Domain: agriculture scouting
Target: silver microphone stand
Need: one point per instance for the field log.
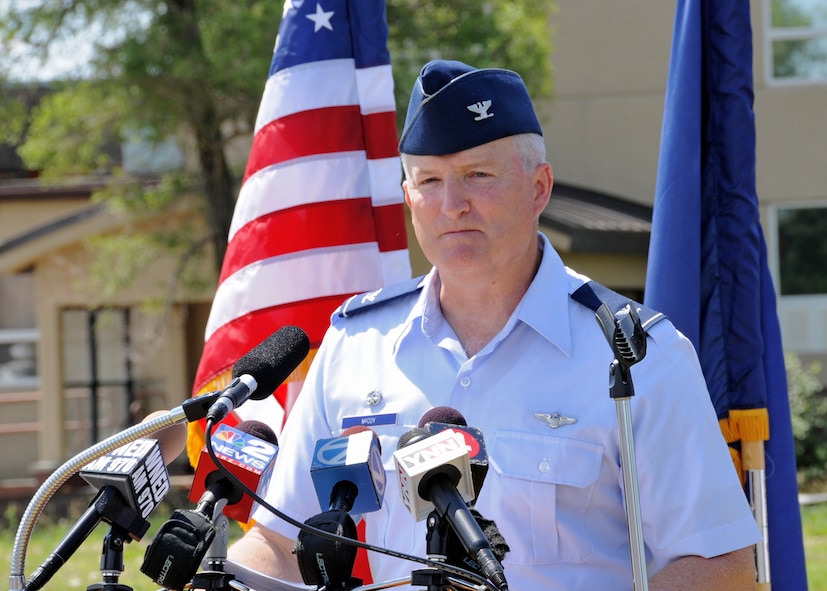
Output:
(627, 339)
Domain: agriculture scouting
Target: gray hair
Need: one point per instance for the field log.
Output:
(531, 147)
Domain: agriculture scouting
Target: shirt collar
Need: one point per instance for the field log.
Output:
(544, 307)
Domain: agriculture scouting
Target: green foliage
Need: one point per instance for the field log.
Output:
(196, 69)
(13, 117)
(483, 33)
(808, 411)
(73, 131)
(814, 526)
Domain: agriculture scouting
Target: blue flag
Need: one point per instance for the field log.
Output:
(707, 265)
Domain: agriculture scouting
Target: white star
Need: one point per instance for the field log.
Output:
(321, 18)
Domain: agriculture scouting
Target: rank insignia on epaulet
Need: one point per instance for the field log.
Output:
(364, 301)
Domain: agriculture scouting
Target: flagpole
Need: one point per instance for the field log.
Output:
(752, 460)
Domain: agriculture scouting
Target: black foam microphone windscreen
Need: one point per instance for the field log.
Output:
(274, 359)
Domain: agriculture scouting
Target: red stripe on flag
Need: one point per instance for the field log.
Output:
(318, 131)
(315, 225)
(233, 340)
(390, 227)
(380, 135)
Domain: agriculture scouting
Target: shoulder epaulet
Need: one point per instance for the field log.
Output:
(370, 299)
(592, 294)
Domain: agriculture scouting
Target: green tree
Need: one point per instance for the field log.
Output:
(808, 412)
(196, 69)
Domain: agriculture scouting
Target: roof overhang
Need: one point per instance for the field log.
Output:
(584, 221)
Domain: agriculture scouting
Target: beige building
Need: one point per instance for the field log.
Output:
(64, 344)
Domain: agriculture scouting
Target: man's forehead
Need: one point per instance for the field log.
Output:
(488, 153)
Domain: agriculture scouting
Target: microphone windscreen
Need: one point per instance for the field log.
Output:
(274, 359)
(172, 439)
(443, 414)
(411, 436)
(260, 430)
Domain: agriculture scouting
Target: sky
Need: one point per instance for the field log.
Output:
(66, 57)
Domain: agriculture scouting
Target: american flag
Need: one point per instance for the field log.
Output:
(319, 215)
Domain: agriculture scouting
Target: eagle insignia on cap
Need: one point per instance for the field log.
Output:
(481, 109)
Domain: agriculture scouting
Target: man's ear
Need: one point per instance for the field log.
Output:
(543, 182)
(405, 191)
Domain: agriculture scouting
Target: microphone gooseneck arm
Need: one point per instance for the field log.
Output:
(188, 411)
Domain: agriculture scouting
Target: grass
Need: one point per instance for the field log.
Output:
(83, 568)
(814, 523)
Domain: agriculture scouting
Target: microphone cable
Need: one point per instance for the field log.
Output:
(444, 567)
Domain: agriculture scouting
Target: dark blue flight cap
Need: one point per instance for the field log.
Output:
(454, 107)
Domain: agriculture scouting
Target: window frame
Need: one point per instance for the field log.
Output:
(773, 34)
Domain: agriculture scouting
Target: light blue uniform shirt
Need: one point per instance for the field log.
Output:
(555, 494)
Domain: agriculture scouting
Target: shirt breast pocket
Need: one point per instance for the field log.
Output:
(542, 488)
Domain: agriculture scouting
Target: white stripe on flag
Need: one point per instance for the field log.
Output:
(385, 181)
(305, 275)
(297, 89)
(375, 89)
(315, 179)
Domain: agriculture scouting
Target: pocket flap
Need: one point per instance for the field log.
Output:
(556, 460)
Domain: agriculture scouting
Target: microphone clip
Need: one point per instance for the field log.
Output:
(178, 548)
(325, 563)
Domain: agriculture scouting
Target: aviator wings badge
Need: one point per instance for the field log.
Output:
(554, 420)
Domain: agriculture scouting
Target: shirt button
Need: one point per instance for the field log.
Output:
(544, 466)
(465, 382)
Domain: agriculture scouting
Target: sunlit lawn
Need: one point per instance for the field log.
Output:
(83, 568)
(814, 522)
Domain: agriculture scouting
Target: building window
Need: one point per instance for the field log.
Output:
(98, 386)
(802, 250)
(18, 359)
(796, 40)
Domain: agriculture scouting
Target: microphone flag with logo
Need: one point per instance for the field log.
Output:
(352, 460)
(247, 456)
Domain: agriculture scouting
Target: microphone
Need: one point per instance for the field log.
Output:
(420, 457)
(248, 452)
(325, 562)
(435, 475)
(258, 373)
(441, 418)
(444, 417)
(348, 475)
(347, 471)
(131, 481)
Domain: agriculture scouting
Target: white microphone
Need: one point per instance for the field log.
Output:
(435, 475)
(421, 456)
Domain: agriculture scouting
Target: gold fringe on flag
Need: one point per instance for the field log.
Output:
(752, 424)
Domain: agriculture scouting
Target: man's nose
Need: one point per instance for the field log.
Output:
(455, 198)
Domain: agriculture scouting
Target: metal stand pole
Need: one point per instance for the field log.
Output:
(627, 339)
(630, 484)
(752, 458)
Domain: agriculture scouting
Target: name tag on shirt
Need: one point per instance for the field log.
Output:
(369, 420)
